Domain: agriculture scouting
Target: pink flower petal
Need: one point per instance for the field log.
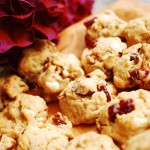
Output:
(48, 32)
(5, 41)
(14, 34)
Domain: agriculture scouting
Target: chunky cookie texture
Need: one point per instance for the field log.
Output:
(92, 141)
(106, 24)
(7, 143)
(34, 58)
(132, 68)
(83, 98)
(26, 120)
(140, 141)
(103, 56)
(35, 138)
(125, 116)
(23, 110)
(62, 69)
(14, 85)
(53, 133)
(138, 30)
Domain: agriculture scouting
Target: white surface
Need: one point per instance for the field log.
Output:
(100, 4)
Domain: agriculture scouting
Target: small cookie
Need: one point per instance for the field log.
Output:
(92, 141)
(36, 138)
(34, 58)
(56, 132)
(25, 109)
(62, 69)
(103, 55)
(14, 85)
(125, 116)
(132, 67)
(140, 141)
(138, 30)
(82, 99)
(7, 143)
(106, 24)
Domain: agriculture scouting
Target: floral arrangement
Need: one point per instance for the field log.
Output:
(21, 21)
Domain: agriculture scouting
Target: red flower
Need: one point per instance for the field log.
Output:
(21, 21)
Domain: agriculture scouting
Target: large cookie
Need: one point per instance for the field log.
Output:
(34, 58)
(62, 69)
(103, 55)
(132, 68)
(138, 30)
(125, 116)
(82, 99)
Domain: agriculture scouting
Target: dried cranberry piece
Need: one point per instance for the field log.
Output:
(135, 74)
(104, 89)
(1, 137)
(124, 107)
(69, 139)
(89, 41)
(87, 76)
(147, 72)
(113, 111)
(88, 23)
(57, 120)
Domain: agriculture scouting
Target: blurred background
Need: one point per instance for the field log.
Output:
(100, 4)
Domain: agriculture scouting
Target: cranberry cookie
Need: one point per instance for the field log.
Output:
(83, 98)
(133, 67)
(106, 24)
(103, 55)
(125, 116)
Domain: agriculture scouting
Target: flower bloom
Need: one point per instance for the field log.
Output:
(21, 21)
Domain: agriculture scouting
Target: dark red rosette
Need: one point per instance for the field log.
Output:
(21, 21)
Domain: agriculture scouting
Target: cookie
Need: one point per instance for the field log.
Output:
(92, 141)
(140, 141)
(34, 58)
(14, 85)
(138, 30)
(35, 138)
(103, 55)
(23, 110)
(132, 67)
(62, 69)
(7, 143)
(83, 98)
(106, 24)
(56, 131)
(125, 116)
